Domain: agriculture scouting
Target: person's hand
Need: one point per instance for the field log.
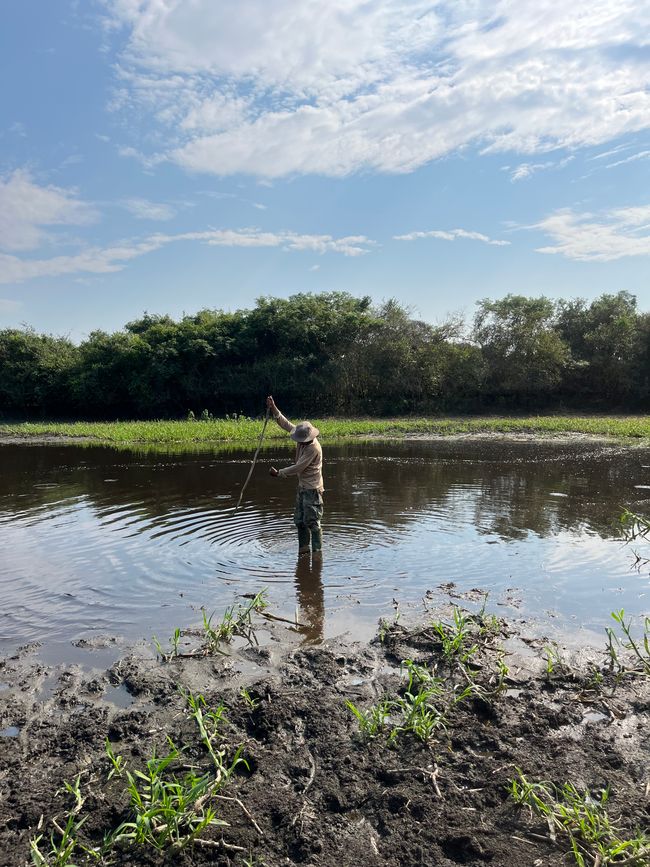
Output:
(270, 404)
(273, 472)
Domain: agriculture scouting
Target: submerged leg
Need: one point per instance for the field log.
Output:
(303, 539)
(313, 508)
(317, 541)
(299, 521)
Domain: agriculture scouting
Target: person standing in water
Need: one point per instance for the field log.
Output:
(308, 467)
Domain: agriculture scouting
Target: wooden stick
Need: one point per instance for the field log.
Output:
(250, 472)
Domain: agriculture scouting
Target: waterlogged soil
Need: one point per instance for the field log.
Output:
(315, 791)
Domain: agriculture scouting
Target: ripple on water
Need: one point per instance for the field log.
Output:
(163, 535)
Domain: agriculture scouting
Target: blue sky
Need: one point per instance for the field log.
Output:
(169, 155)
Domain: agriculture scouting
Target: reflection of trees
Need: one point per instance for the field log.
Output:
(502, 488)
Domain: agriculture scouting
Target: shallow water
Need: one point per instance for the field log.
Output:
(98, 541)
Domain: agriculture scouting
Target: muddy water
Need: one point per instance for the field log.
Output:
(95, 541)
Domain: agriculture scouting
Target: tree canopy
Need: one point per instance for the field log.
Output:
(333, 353)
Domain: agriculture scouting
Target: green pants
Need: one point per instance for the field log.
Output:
(309, 510)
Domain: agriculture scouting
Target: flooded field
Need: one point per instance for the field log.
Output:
(95, 541)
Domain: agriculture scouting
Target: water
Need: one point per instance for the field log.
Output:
(95, 541)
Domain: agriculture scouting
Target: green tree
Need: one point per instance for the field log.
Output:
(35, 371)
(524, 355)
(604, 340)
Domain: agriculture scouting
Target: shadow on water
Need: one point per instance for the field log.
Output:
(99, 540)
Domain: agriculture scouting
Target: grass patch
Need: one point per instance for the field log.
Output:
(245, 431)
(423, 705)
(582, 819)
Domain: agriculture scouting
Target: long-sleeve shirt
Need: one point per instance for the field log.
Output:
(309, 460)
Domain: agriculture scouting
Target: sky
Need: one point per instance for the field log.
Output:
(172, 155)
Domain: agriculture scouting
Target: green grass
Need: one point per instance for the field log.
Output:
(244, 431)
(582, 818)
(168, 811)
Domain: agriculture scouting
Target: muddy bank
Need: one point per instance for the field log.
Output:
(317, 788)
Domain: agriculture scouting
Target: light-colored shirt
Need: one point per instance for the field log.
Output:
(309, 460)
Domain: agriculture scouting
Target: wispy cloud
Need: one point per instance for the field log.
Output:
(18, 128)
(600, 237)
(526, 170)
(641, 155)
(451, 235)
(28, 211)
(145, 210)
(106, 260)
(9, 305)
(293, 88)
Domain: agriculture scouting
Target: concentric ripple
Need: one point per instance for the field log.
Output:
(99, 541)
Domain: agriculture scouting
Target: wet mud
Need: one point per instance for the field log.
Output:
(315, 790)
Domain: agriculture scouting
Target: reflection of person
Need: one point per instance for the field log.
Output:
(309, 469)
(311, 601)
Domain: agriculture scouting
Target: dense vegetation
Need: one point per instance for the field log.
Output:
(333, 354)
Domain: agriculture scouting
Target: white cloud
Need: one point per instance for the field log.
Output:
(145, 210)
(598, 238)
(96, 260)
(451, 235)
(26, 209)
(285, 88)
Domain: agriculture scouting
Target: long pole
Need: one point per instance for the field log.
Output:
(257, 451)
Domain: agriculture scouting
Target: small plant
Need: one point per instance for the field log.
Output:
(63, 843)
(422, 705)
(209, 722)
(489, 625)
(595, 679)
(173, 652)
(168, 811)
(638, 647)
(456, 637)
(553, 658)
(117, 762)
(501, 674)
(64, 840)
(252, 861)
(249, 700)
(372, 721)
(237, 620)
(583, 818)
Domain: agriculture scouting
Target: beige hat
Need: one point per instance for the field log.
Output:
(304, 432)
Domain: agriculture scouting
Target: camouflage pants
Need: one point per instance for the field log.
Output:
(309, 510)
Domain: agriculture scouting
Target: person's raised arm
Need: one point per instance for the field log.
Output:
(283, 422)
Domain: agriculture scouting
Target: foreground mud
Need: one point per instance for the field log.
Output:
(315, 790)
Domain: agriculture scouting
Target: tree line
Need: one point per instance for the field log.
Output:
(335, 354)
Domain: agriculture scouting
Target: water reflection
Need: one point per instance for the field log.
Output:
(310, 596)
(103, 540)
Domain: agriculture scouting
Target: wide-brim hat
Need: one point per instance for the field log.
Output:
(304, 432)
